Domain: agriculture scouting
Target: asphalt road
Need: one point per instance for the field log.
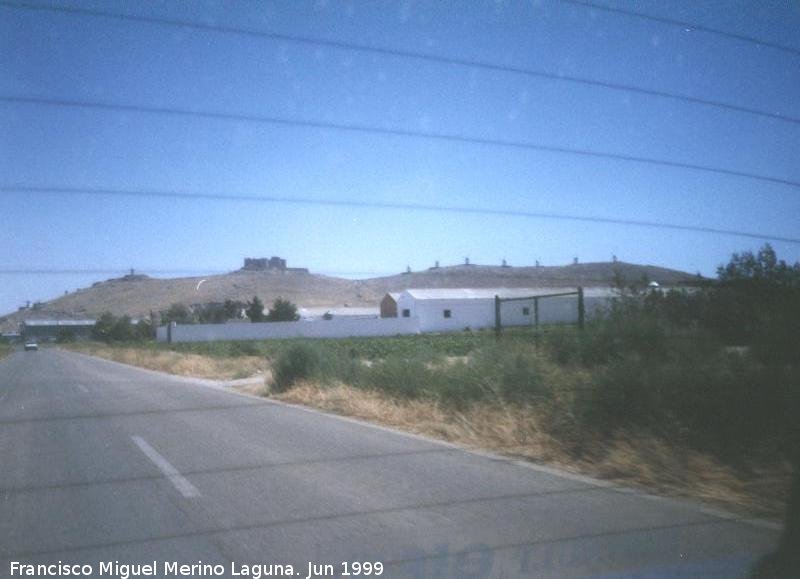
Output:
(102, 462)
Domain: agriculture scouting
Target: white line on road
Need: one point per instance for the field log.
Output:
(179, 481)
(82, 388)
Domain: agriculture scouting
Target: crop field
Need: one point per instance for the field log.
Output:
(421, 346)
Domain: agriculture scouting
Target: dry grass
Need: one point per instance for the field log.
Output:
(629, 460)
(180, 363)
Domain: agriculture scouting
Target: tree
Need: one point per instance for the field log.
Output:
(255, 310)
(177, 313)
(218, 313)
(760, 271)
(122, 330)
(757, 302)
(283, 311)
(233, 309)
(143, 330)
(103, 327)
(109, 328)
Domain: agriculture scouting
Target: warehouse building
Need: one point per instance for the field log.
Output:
(52, 330)
(451, 309)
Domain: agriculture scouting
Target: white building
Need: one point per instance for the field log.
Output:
(442, 310)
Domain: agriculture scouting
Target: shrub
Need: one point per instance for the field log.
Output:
(178, 313)
(243, 348)
(255, 310)
(103, 327)
(65, 336)
(282, 311)
(520, 378)
(721, 402)
(298, 362)
(405, 378)
(462, 385)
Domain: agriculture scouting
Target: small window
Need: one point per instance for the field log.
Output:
(447, 313)
(526, 311)
(406, 313)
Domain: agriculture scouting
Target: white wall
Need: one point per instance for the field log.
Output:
(335, 328)
(161, 334)
(426, 316)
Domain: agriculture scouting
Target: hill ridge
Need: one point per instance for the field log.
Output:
(140, 294)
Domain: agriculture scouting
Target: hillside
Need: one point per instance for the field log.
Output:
(585, 274)
(138, 295)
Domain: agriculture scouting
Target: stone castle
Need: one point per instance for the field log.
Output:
(273, 263)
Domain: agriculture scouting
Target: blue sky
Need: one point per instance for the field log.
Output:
(78, 57)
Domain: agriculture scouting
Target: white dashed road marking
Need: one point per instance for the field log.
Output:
(180, 482)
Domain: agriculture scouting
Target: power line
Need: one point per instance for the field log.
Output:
(375, 130)
(423, 56)
(350, 203)
(684, 24)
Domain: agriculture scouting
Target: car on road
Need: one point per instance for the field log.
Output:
(31, 345)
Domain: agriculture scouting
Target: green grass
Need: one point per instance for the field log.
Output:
(629, 372)
(5, 350)
(421, 346)
(614, 376)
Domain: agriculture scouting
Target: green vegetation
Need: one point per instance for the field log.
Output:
(179, 314)
(209, 313)
(255, 310)
(425, 346)
(5, 350)
(674, 365)
(298, 362)
(216, 313)
(110, 328)
(714, 368)
(282, 311)
(65, 336)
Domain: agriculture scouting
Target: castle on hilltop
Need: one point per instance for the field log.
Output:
(273, 263)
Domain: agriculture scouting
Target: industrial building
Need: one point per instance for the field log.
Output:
(451, 309)
(52, 330)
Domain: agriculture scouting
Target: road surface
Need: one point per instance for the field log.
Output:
(101, 462)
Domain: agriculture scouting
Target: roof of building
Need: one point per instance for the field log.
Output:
(338, 312)
(59, 322)
(489, 293)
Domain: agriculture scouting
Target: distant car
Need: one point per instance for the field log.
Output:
(31, 346)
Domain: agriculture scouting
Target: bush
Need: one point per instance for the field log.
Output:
(178, 313)
(298, 362)
(399, 377)
(103, 327)
(520, 378)
(65, 336)
(282, 311)
(243, 348)
(255, 310)
(725, 403)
